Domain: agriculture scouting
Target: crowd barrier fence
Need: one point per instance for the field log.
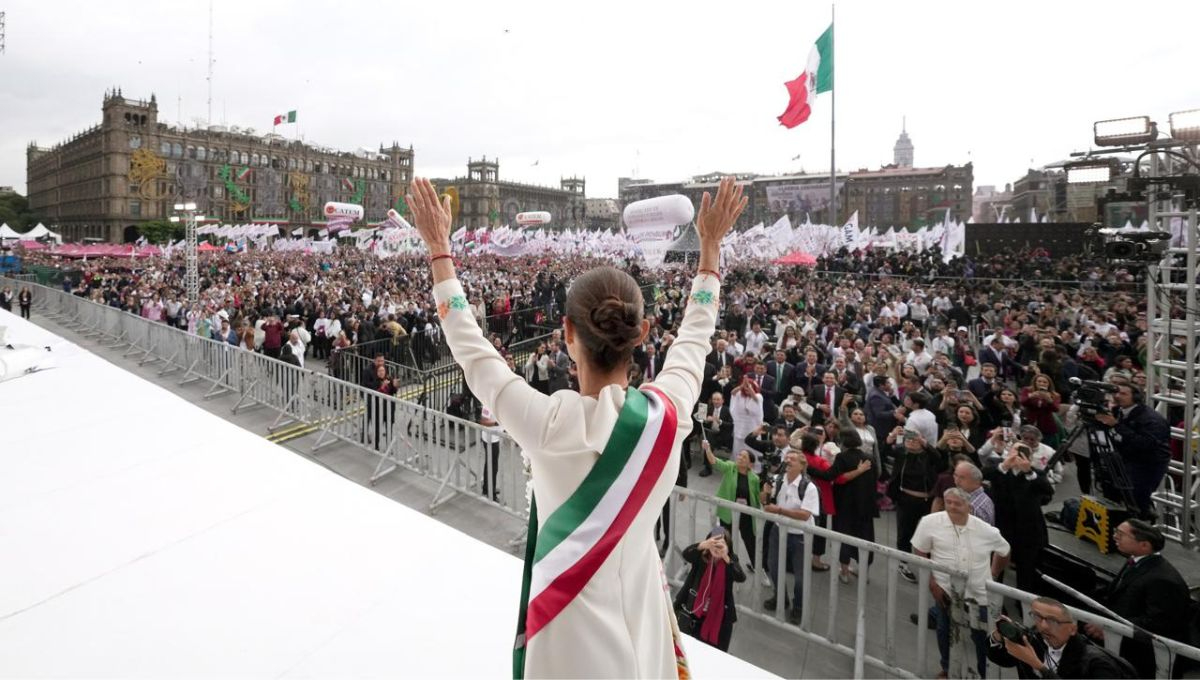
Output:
(828, 620)
(456, 453)
(466, 458)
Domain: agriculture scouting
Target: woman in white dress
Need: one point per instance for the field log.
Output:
(746, 407)
(607, 455)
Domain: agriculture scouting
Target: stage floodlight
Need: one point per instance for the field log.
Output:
(174, 218)
(1124, 131)
(189, 206)
(1185, 125)
(1089, 172)
(178, 206)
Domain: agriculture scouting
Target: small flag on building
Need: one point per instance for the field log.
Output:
(817, 78)
(289, 117)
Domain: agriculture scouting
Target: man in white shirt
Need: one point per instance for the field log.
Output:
(943, 343)
(755, 339)
(918, 357)
(956, 539)
(797, 498)
(918, 312)
(920, 419)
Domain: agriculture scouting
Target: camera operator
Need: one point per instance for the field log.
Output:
(771, 451)
(1142, 438)
(1054, 649)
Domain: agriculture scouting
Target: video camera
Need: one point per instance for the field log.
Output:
(1091, 396)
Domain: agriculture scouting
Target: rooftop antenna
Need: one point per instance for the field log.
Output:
(210, 62)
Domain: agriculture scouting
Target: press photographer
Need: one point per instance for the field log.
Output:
(1054, 648)
(1141, 436)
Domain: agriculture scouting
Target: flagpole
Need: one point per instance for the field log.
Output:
(832, 117)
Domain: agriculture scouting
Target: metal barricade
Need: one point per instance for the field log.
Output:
(835, 619)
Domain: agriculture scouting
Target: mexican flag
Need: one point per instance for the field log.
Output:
(817, 78)
(289, 117)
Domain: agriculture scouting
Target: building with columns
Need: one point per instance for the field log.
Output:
(102, 182)
(482, 199)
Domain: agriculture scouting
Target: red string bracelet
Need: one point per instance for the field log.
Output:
(709, 271)
(435, 258)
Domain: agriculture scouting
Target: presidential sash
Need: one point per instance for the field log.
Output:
(578, 537)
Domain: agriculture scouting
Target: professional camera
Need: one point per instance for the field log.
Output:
(1091, 396)
(1132, 246)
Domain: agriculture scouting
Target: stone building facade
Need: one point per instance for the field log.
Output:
(130, 168)
(482, 199)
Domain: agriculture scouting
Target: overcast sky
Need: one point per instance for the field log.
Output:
(609, 89)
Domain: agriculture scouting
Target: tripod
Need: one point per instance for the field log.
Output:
(1109, 469)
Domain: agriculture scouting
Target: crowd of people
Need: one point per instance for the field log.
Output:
(893, 381)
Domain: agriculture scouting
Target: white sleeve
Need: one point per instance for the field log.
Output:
(812, 499)
(923, 537)
(998, 544)
(523, 411)
(683, 367)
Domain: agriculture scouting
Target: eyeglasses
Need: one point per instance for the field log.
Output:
(1037, 618)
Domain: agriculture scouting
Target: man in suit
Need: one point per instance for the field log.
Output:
(789, 418)
(996, 355)
(1143, 438)
(981, 386)
(718, 426)
(1019, 491)
(1055, 648)
(781, 371)
(826, 399)
(1148, 592)
(721, 356)
(808, 373)
(881, 408)
(651, 363)
(560, 367)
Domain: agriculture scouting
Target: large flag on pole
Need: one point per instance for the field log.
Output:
(289, 117)
(817, 78)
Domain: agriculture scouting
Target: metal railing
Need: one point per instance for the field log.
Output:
(463, 457)
(466, 458)
(834, 616)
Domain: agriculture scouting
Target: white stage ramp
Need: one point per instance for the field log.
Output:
(143, 537)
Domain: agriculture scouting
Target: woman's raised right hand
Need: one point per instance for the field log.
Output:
(718, 216)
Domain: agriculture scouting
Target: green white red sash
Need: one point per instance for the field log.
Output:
(578, 537)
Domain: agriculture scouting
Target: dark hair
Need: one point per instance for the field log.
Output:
(809, 443)
(918, 399)
(1145, 532)
(605, 306)
(850, 439)
(879, 381)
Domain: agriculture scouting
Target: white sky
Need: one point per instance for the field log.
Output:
(601, 89)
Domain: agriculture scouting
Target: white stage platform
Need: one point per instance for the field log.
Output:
(143, 537)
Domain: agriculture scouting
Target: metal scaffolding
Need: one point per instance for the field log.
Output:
(1173, 339)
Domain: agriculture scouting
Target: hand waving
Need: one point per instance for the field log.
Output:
(430, 216)
(717, 217)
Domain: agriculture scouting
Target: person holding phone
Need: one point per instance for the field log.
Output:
(705, 606)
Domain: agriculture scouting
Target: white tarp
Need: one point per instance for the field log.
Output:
(225, 555)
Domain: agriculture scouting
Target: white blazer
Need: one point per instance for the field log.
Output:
(621, 623)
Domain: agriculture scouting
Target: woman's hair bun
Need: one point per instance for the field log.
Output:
(617, 323)
(605, 306)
